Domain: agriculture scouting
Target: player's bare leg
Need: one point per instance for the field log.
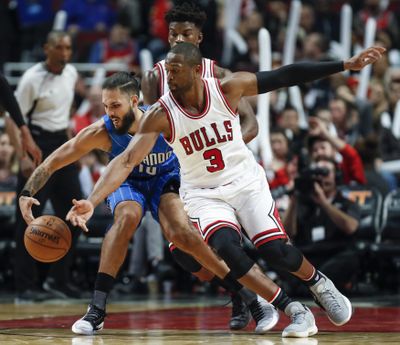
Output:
(127, 216)
(115, 245)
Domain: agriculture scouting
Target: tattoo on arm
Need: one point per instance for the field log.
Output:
(37, 180)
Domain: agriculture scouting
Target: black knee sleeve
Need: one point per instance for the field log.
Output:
(187, 262)
(226, 242)
(281, 256)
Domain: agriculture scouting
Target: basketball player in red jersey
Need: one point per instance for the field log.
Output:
(185, 23)
(222, 186)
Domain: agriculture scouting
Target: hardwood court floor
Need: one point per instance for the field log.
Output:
(169, 322)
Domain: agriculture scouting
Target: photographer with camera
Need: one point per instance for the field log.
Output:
(322, 143)
(322, 222)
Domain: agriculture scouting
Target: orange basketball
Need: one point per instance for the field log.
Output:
(47, 238)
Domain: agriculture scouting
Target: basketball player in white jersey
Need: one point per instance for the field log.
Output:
(222, 186)
(185, 23)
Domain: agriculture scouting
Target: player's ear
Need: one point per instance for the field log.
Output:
(198, 69)
(200, 37)
(134, 101)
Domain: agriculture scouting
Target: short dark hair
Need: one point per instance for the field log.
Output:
(186, 11)
(190, 52)
(55, 35)
(126, 82)
(311, 140)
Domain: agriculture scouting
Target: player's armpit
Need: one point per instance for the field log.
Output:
(150, 87)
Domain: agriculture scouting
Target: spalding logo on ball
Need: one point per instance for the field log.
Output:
(47, 238)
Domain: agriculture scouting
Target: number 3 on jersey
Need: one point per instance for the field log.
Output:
(216, 160)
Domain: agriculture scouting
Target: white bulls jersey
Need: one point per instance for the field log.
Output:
(207, 71)
(209, 145)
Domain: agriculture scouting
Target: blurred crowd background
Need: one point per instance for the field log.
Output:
(361, 135)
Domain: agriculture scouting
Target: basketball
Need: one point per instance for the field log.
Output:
(47, 238)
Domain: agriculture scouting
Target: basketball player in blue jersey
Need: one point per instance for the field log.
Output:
(185, 23)
(152, 185)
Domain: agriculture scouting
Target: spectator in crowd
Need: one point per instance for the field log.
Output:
(158, 44)
(92, 165)
(389, 136)
(323, 144)
(275, 15)
(8, 162)
(385, 20)
(327, 19)
(89, 15)
(8, 184)
(90, 110)
(368, 148)
(118, 47)
(283, 168)
(280, 148)
(379, 103)
(10, 104)
(307, 18)
(315, 47)
(346, 120)
(332, 221)
(45, 94)
(289, 121)
(36, 19)
(9, 35)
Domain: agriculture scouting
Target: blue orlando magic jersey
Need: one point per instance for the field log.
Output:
(160, 160)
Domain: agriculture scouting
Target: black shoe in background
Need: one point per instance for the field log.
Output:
(240, 314)
(61, 291)
(32, 296)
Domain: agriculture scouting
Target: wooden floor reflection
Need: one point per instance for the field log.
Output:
(155, 322)
(176, 337)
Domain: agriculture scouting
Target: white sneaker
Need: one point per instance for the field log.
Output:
(91, 322)
(299, 341)
(337, 306)
(302, 321)
(264, 314)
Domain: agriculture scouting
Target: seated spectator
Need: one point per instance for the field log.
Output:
(322, 143)
(379, 103)
(8, 161)
(92, 166)
(323, 223)
(8, 185)
(90, 110)
(280, 149)
(282, 169)
(88, 15)
(117, 47)
(368, 149)
(289, 121)
(385, 19)
(345, 116)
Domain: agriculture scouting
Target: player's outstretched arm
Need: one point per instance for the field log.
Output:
(249, 84)
(92, 137)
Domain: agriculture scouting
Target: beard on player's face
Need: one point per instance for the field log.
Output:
(126, 122)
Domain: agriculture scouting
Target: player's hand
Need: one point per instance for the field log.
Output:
(25, 205)
(29, 145)
(366, 57)
(80, 213)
